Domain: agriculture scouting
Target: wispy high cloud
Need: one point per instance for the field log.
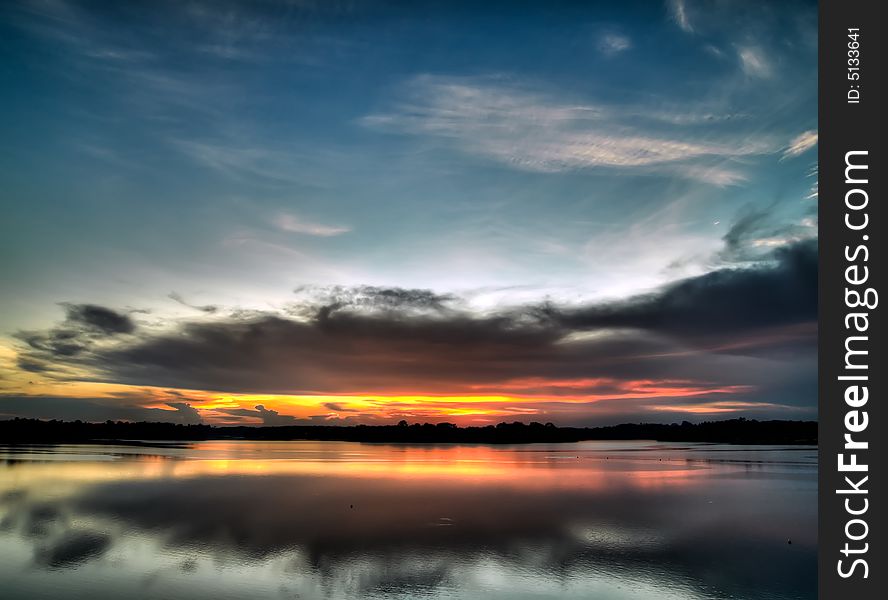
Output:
(754, 62)
(152, 80)
(533, 132)
(679, 11)
(611, 44)
(801, 143)
(295, 224)
(237, 160)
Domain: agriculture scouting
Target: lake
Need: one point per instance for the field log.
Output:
(336, 520)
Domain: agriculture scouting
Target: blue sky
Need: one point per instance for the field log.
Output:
(260, 158)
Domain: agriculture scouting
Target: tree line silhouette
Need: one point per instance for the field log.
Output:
(732, 431)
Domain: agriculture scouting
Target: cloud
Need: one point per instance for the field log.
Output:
(267, 417)
(272, 417)
(755, 232)
(132, 407)
(715, 175)
(187, 413)
(294, 224)
(84, 326)
(778, 294)
(99, 318)
(611, 44)
(336, 407)
(205, 308)
(749, 225)
(801, 143)
(754, 62)
(679, 11)
(372, 298)
(236, 158)
(687, 341)
(534, 132)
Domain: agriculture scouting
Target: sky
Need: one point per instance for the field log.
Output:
(288, 211)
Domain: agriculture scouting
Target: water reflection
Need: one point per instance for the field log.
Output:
(341, 520)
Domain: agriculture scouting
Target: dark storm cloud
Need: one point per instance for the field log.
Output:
(753, 225)
(54, 342)
(117, 408)
(29, 364)
(205, 308)
(373, 298)
(99, 318)
(748, 226)
(335, 407)
(273, 418)
(187, 413)
(84, 324)
(336, 350)
(715, 328)
(721, 302)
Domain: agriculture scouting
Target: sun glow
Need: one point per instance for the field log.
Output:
(463, 403)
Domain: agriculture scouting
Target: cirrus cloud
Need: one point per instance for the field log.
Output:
(531, 131)
(801, 144)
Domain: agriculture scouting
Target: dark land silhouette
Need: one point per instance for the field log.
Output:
(733, 431)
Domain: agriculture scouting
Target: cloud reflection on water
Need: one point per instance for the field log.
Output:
(361, 521)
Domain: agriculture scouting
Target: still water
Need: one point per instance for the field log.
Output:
(306, 520)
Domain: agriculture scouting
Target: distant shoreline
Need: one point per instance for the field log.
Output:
(733, 431)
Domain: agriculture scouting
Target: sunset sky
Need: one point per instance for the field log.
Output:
(285, 212)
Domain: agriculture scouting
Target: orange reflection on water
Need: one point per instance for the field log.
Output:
(529, 468)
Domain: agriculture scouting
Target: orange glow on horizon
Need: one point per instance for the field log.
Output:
(463, 403)
(717, 407)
